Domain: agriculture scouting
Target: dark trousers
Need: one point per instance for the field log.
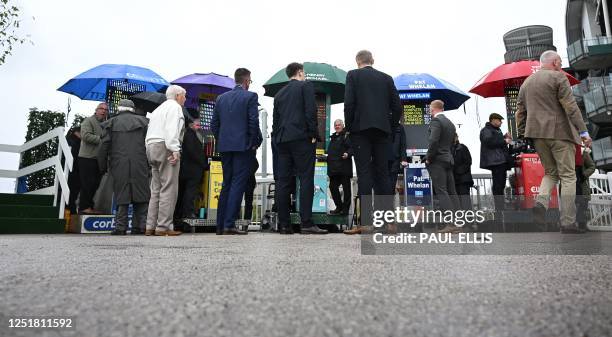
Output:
(371, 149)
(443, 182)
(90, 180)
(188, 188)
(236, 171)
(463, 193)
(335, 182)
(498, 175)
(74, 184)
(295, 158)
(139, 216)
(248, 197)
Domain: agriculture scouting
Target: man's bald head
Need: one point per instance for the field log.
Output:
(550, 60)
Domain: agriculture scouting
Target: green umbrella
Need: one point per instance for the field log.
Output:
(326, 79)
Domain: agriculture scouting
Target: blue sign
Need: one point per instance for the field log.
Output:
(414, 95)
(100, 224)
(417, 185)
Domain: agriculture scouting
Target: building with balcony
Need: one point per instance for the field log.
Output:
(589, 40)
(527, 43)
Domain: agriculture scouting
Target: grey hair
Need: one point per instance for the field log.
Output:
(364, 57)
(174, 90)
(548, 57)
(124, 108)
(339, 120)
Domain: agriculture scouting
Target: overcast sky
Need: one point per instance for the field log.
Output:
(459, 41)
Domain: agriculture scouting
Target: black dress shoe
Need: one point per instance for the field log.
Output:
(137, 231)
(572, 230)
(336, 211)
(313, 230)
(233, 231)
(285, 230)
(118, 232)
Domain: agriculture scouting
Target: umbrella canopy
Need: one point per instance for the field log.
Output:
(203, 83)
(92, 84)
(494, 83)
(148, 100)
(326, 78)
(426, 86)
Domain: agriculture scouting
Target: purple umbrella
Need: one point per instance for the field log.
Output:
(201, 85)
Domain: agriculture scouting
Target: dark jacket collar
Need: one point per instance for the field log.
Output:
(489, 125)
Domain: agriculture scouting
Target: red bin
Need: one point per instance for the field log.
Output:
(529, 174)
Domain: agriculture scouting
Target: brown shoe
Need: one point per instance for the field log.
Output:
(392, 228)
(450, 229)
(354, 230)
(150, 232)
(167, 233)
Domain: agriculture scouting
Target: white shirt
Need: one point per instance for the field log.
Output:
(167, 125)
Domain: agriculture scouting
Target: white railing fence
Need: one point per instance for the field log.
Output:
(61, 172)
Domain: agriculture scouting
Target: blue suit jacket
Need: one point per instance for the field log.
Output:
(235, 122)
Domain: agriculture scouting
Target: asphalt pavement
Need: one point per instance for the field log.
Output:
(270, 285)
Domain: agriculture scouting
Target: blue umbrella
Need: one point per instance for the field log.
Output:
(424, 86)
(92, 84)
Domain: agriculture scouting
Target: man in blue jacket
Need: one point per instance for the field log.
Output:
(235, 125)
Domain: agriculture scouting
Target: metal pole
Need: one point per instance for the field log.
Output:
(606, 16)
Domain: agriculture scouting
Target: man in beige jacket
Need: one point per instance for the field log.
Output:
(547, 113)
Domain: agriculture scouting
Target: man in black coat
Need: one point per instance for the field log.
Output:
(340, 168)
(372, 111)
(294, 130)
(398, 159)
(439, 160)
(123, 153)
(193, 165)
(462, 172)
(494, 154)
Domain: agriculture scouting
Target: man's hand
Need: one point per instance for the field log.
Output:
(587, 141)
(314, 140)
(427, 162)
(344, 155)
(174, 158)
(404, 163)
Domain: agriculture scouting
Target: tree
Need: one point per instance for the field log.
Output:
(9, 23)
(39, 123)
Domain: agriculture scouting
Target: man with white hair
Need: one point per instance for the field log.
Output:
(547, 113)
(163, 140)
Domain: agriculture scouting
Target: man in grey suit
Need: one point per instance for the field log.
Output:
(548, 114)
(439, 160)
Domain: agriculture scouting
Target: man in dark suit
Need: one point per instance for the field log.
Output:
(294, 131)
(372, 111)
(235, 125)
(439, 160)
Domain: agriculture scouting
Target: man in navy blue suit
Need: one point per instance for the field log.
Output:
(235, 125)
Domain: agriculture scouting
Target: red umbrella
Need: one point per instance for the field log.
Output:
(510, 74)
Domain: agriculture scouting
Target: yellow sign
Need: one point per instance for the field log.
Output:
(215, 184)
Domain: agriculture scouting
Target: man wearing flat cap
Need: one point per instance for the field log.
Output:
(123, 153)
(494, 153)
